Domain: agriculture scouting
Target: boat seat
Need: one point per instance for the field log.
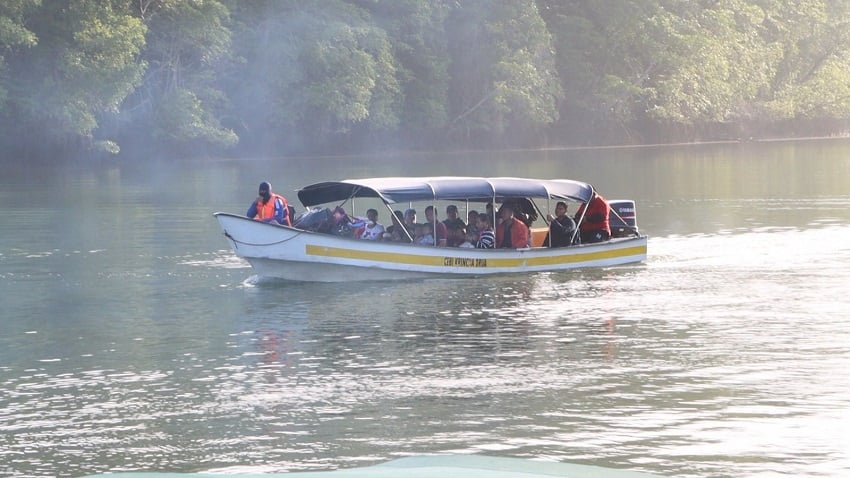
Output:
(538, 235)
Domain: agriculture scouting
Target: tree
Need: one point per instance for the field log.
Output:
(189, 45)
(812, 71)
(503, 70)
(84, 65)
(682, 70)
(317, 70)
(417, 34)
(609, 54)
(13, 34)
(719, 67)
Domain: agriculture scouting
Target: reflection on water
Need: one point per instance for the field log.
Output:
(694, 364)
(143, 345)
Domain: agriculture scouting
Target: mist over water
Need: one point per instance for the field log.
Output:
(132, 339)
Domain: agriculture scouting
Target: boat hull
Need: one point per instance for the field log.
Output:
(293, 254)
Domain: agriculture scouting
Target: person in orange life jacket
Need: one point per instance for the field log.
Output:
(595, 226)
(511, 233)
(269, 207)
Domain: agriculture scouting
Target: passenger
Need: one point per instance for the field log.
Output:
(395, 232)
(455, 228)
(469, 240)
(424, 235)
(493, 217)
(472, 222)
(561, 227)
(486, 236)
(511, 233)
(594, 227)
(524, 211)
(508, 203)
(436, 226)
(342, 223)
(372, 230)
(269, 207)
(410, 220)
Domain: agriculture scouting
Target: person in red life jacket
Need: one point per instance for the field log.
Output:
(511, 233)
(269, 207)
(594, 227)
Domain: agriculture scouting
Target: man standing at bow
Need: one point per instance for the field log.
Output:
(269, 207)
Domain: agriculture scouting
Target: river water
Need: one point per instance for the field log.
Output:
(131, 338)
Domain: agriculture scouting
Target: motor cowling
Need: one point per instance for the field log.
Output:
(623, 218)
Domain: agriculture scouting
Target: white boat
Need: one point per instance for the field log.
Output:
(434, 466)
(301, 254)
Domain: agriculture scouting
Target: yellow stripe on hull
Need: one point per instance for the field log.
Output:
(394, 257)
(481, 260)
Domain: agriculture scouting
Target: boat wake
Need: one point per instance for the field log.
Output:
(773, 248)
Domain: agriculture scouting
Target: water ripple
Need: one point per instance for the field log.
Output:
(724, 355)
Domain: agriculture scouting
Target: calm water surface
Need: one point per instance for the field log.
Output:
(132, 339)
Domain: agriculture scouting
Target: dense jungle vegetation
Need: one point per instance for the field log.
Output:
(240, 77)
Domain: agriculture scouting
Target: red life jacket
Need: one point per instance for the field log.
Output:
(596, 218)
(266, 211)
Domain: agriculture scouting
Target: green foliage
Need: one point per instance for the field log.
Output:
(14, 34)
(417, 34)
(185, 38)
(319, 75)
(503, 68)
(649, 64)
(344, 67)
(83, 66)
(316, 71)
(101, 68)
(721, 65)
(13, 31)
(813, 68)
(106, 146)
(181, 118)
(188, 45)
(525, 77)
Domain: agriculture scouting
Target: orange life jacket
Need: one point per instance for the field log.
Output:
(266, 211)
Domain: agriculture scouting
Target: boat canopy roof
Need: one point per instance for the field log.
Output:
(452, 188)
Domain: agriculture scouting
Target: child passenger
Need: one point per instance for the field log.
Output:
(372, 230)
(469, 240)
(424, 236)
(486, 236)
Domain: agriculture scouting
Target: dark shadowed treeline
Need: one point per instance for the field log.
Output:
(215, 77)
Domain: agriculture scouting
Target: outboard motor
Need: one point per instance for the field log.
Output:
(623, 218)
